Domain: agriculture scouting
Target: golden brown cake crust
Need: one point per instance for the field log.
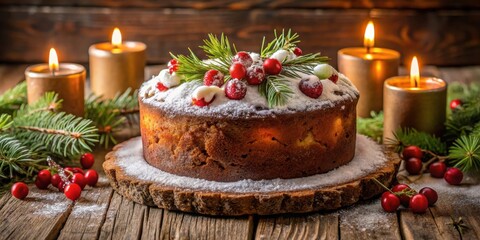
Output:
(230, 149)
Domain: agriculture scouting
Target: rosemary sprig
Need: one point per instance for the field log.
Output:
(286, 41)
(276, 90)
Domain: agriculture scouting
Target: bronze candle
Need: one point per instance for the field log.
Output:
(414, 102)
(367, 68)
(116, 66)
(66, 79)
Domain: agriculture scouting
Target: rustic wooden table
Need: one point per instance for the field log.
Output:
(102, 213)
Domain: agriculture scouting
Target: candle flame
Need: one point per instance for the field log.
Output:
(53, 60)
(369, 38)
(116, 37)
(414, 73)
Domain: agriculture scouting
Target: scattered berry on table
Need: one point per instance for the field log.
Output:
(19, 190)
(418, 203)
(390, 202)
(430, 194)
(453, 176)
(79, 179)
(87, 160)
(72, 191)
(437, 169)
(92, 177)
(412, 152)
(413, 166)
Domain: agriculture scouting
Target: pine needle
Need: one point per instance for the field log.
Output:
(12, 99)
(286, 41)
(407, 137)
(276, 90)
(16, 158)
(371, 127)
(465, 153)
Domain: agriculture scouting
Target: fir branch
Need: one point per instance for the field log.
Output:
(371, 127)
(407, 137)
(218, 49)
(191, 67)
(276, 90)
(17, 158)
(302, 64)
(60, 133)
(110, 115)
(49, 102)
(286, 41)
(465, 153)
(5, 122)
(463, 120)
(13, 98)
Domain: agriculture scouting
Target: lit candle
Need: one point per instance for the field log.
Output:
(66, 79)
(116, 66)
(367, 68)
(414, 102)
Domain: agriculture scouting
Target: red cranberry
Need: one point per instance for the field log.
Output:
(272, 66)
(413, 166)
(238, 71)
(213, 77)
(390, 202)
(235, 89)
(418, 203)
(311, 86)
(412, 152)
(431, 195)
(404, 199)
(437, 169)
(453, 176)
(244, 58)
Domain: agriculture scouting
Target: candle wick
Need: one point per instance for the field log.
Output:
(53, 72)
(368, 49)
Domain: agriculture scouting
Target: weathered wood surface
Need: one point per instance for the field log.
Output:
(439, 37)
(103, 214)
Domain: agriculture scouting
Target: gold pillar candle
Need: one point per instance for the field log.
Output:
(116, 66)
(65, 79)
(368, 68)
(414, 102)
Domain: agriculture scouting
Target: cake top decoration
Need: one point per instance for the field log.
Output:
(270, 79)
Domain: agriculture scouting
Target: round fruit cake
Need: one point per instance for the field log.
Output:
(235, 116)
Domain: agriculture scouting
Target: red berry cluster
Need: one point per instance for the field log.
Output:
(69, 180)
(409, 198)
(244, 70)
(412, 155)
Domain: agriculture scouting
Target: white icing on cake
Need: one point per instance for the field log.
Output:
(178, 100)
(368, 158)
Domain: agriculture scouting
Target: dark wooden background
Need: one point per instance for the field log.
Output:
(443, 33)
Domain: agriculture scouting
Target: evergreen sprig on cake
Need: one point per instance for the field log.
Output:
(229, 71)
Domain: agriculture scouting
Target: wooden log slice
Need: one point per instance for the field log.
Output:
(230, 203)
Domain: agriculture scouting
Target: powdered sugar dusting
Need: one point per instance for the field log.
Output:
(50, 203)
(178, 100)
(368, 157)
(366, 216)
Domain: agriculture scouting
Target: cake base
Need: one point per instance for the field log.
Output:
(133, 178)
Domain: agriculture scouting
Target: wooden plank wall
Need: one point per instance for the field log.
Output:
(443, 32)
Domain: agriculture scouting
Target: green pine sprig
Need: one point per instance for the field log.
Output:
(50, 102)
(408, 136)
(465, 153)
(190, 67)
(219, 49)
(276, 90)
(286, 41)
(5, 122)
(302, 64)
(62, 134)
(110, 116)
(16, 158)
(12, 99)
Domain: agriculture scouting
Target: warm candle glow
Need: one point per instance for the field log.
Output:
(414, 73)
(53, 60)
(116, 37)
(369, 38)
